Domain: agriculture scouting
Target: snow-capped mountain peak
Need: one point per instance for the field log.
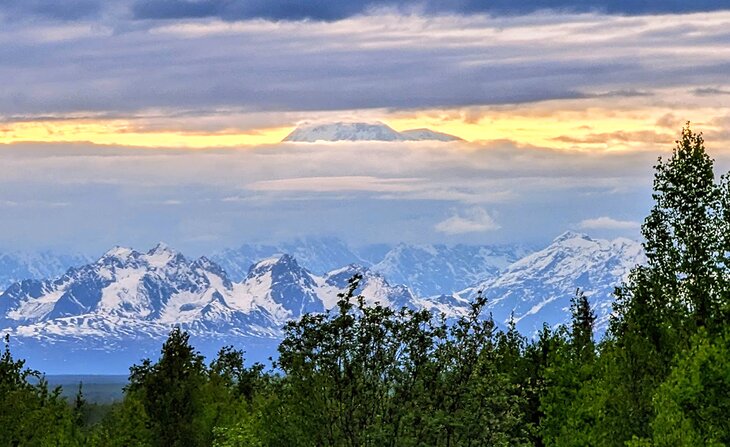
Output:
(161, 255)
(118, 252)
(572, 235)
(538, 287)
(361, 131)
(424, 134)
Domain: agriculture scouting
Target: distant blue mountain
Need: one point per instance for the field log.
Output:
(317, 254)
(16, 266)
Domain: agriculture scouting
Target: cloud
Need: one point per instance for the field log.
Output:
(710, 91)
(608, 223)
(611, 138)
(473, 220)
(627, 93)
(330, 10)
(67, 10)
(191, 67)
(363, 192)
(340, 183)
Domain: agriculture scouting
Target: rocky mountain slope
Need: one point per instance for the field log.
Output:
(440, 269)
(317, 254)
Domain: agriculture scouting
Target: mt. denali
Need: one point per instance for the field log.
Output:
(346, 131)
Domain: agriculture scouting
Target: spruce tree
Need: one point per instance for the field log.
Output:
(170, 392)
(581, 328)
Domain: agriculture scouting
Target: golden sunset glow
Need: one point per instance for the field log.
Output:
(556, 127)
(562, 125)
(123, 133)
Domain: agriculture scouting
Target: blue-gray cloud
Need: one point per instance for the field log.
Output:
(380, 62)
(51, 9)
(332, 10)
(329, 10)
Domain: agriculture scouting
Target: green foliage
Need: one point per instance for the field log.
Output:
(682, 289)
(571, 367)
(693, 404)
(371, 375)
(30, 413)
(127, 424)
(170, 392)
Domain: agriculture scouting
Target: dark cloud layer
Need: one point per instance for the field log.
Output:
(332, 10)
(385, 61)
(337, 9)
(52, 9)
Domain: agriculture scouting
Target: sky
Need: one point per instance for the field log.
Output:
(131, 122)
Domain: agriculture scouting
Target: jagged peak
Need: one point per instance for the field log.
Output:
(118, 252)
(625, 241)
(350, 268)
(161, 248)
(161, 255)
(568, 235)
(272, 262)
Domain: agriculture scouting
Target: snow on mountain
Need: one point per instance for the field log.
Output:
(17, 266)
(373, 287)
(345, 131)
(129, 300)
(128, 291)
(316, 254)
(121, 306)
(439, 269)
(425, 269)
(282, 281)
(538, 287)
(427, 135)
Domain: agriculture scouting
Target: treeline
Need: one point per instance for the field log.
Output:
(374, 376)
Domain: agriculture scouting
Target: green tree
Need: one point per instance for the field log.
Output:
(568, 399)
(683, 287)
(170, 391)
(30, 413)
(692, 405)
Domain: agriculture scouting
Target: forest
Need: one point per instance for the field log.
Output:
(375, 376)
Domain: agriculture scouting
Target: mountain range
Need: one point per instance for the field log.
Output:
(16, 266)
(345, 131)
(102, 316)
